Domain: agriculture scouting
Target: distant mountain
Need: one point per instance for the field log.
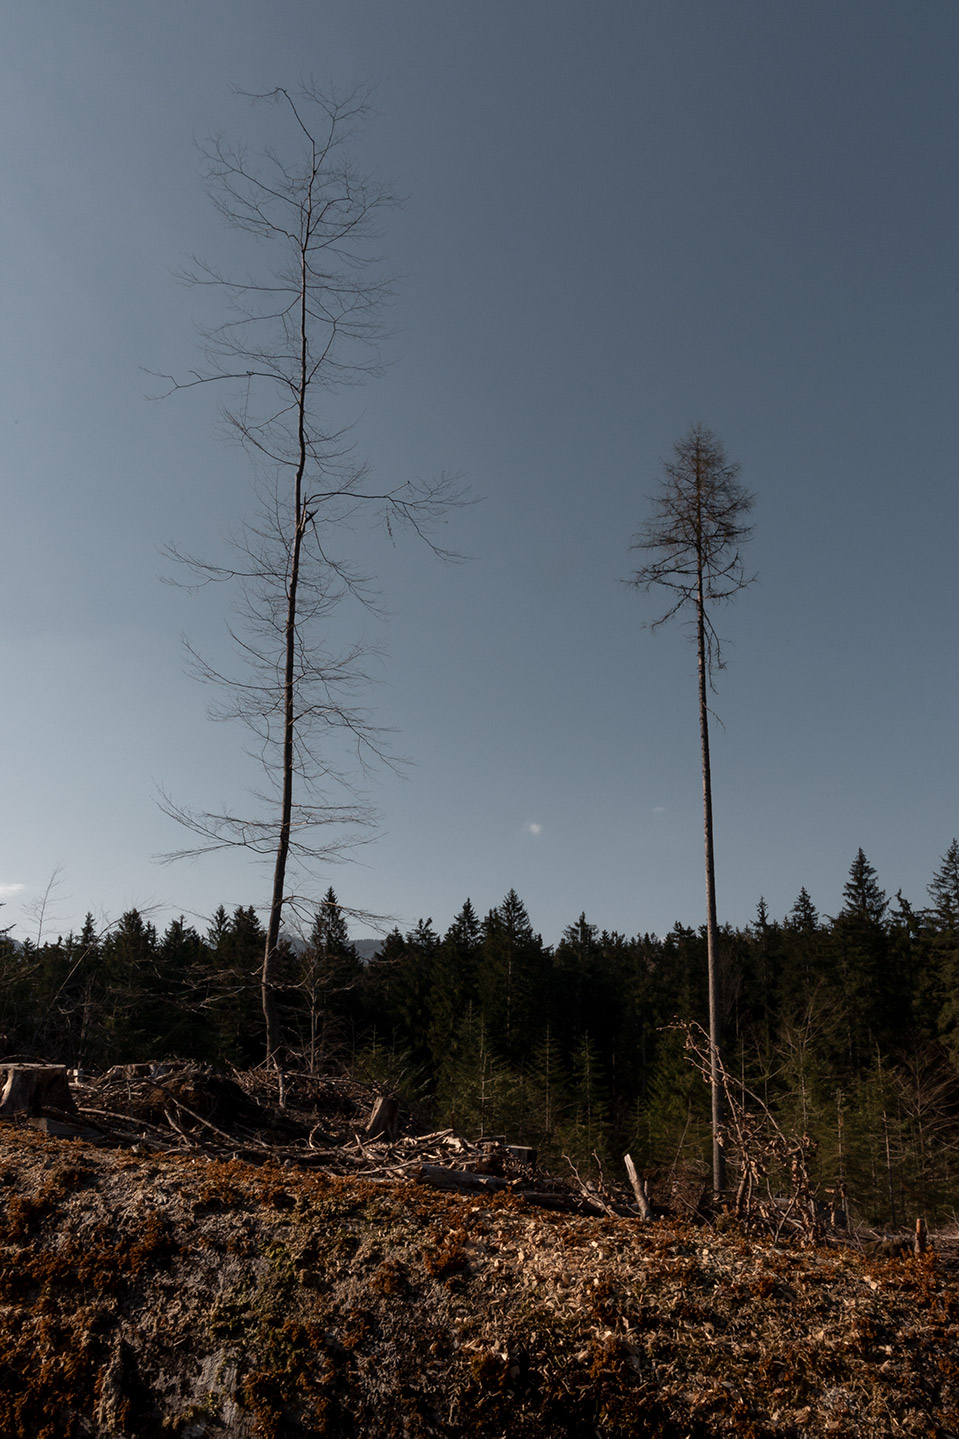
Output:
(365, 948)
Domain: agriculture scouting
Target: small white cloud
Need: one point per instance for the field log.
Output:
(7, 891)
(532, 826)
(658, 809)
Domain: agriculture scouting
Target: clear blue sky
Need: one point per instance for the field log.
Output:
(620, 218)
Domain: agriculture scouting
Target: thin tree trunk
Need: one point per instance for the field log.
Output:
(712, 927)
(271, 1014)
(692, 541)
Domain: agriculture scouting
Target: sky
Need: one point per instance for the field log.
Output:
(618, 220)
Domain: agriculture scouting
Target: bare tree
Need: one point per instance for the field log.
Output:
(39, 908)
(692, 542)
(306, 323)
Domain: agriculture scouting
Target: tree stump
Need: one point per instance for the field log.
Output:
(384, 1122)
(32, 1088)
(638, 1187)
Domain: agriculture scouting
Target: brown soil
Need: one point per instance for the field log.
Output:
(173, 1294)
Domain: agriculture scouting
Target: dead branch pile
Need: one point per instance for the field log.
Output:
(338, 1125)
(330, 1123)
(775, 1193)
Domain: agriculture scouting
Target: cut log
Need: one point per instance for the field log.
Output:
(32, 1088)
(922, 1237)
(384, 1122)
(59, 1129)
(465, 1181)
(522, 1154)
(638, 1187)
(889, 1246)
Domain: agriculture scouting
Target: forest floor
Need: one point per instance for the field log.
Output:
(154, 1290)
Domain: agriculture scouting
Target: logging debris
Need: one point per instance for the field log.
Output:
(329, 1123)
(146, 1293)
(339, 1125)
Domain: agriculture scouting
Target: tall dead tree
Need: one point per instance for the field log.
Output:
(692, 544)
(306, 322)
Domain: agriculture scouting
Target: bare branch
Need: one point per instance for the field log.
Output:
(39, 908)
(694, 536)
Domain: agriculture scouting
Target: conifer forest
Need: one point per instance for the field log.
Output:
(844, 1030)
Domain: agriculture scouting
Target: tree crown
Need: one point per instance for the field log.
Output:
(694, 535)
(864, 899)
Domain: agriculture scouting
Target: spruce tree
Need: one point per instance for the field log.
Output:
(181, 1023)
(482, 1094)
(803, 917)
(325, 973)
(576, 982)
(235, 945)
(873, 995)
(806, 976)
(866, 902)
(762, 967)
(509, 980)
(452, 989)
(942, 950)
(588, 1131)
(382, 974)
(944, 893)
(673, 1122)
(128, 967)
(548, 1088)
(398, 985)
(14, 1001)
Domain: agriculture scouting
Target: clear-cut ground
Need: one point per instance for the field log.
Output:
(163, 1294)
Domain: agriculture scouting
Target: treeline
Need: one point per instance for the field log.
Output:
(847, 1028)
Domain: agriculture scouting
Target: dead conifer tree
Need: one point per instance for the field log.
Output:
(303, 324)
(692, 544)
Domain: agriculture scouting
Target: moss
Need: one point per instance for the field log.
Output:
(295, 1305)
(48, 1371)
(390, 1279)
